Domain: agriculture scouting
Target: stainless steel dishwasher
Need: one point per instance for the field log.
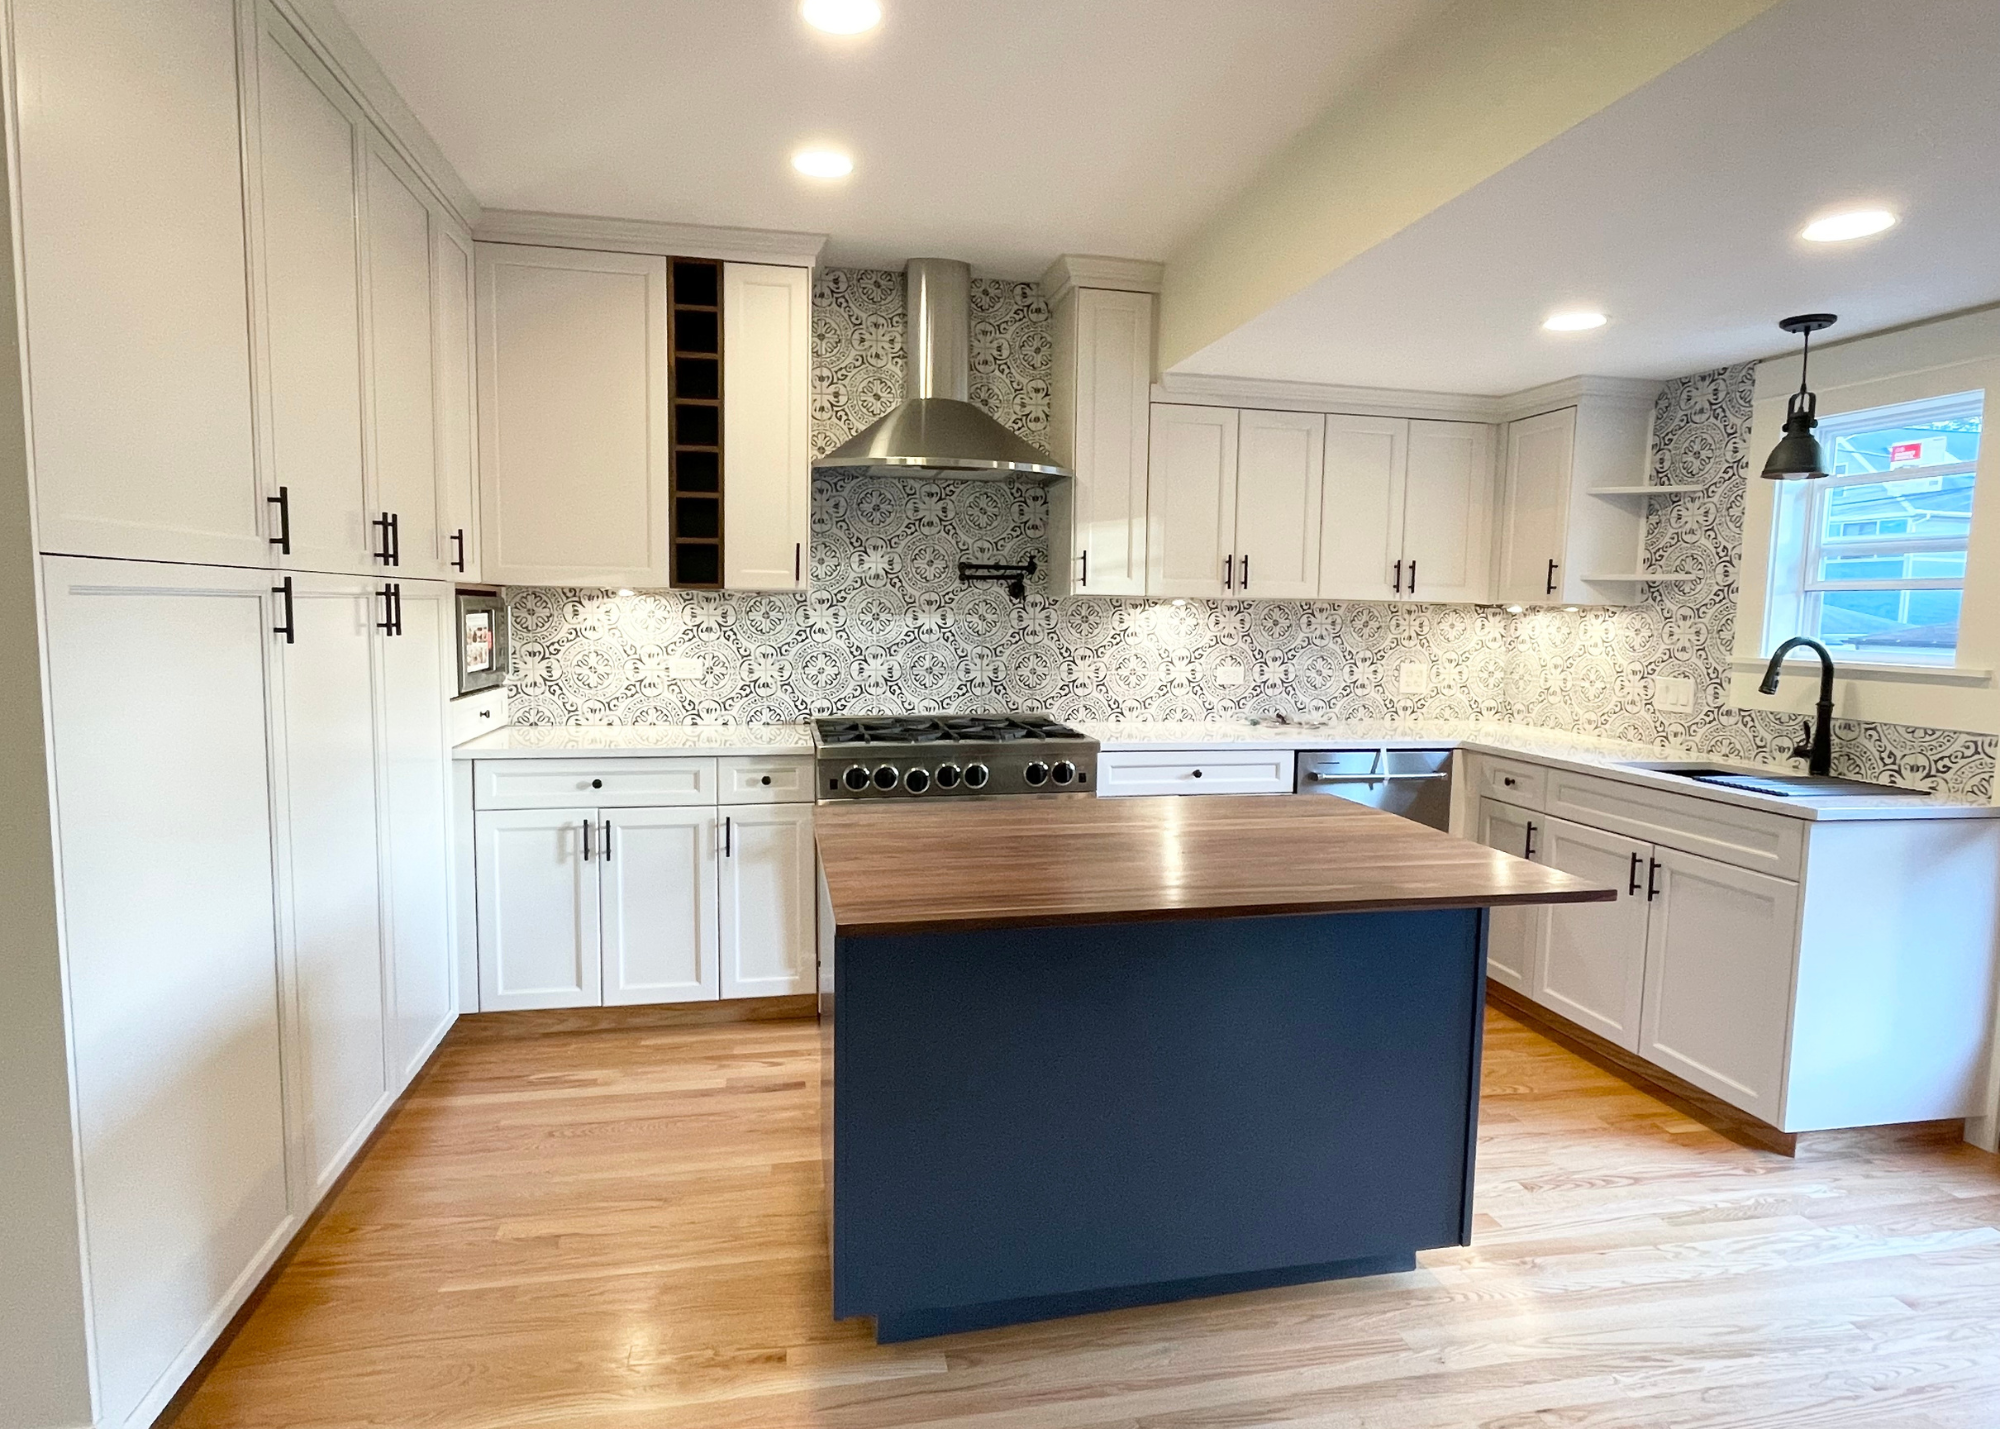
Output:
(1415, 783)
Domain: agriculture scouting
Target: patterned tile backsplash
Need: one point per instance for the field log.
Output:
(887, 626)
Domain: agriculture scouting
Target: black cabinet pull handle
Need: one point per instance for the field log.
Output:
(1634, 884)
(798, 561)
(1528, 844)
(395, 539)
(289, 628)
(586, 840)
(1413, 575)
(392, 609)
(283, 501)
(728, 837)
(386, 554)
(1652, 881)
(1243, 573)
(1229, 572)
(1399, 578)
(458, 544)
(1550, 589)
(1084, 580)
(607, 840)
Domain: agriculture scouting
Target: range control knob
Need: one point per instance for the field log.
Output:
(1036, 773)
(856, 778)
(887, 778)
(947, 776)
(916, 781)
(976, 776)
(1064, 772)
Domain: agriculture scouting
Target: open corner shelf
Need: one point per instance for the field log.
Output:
(1643, 490)
(1645, 578)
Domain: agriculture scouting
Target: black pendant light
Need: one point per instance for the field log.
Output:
(1798, 454)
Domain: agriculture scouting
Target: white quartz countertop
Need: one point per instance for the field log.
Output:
(559, 741)
(1587, 754)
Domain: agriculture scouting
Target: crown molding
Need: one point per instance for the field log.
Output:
(1604, 391)
(636, 235)
(1273, 394)
(341, 51)
(1087, 270)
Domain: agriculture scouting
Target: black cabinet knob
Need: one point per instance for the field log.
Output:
(765, 780)
(597, 783)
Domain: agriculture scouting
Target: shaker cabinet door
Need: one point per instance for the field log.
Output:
(1593, 962)
(657, 870)
(767, 901)
(1361, 520)
(1278, 478)
(1534, 506)
(1448, 512)
(766, 426)
(1513, 935)
(402, 366)
(538, 910)
(1191, 502)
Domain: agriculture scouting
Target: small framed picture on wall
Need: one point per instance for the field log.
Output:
(482, 640)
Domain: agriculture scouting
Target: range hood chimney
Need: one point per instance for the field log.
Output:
(935, 429)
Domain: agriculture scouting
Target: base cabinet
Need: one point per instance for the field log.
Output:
(707, 897)
(1593, 964)
(1513, 935)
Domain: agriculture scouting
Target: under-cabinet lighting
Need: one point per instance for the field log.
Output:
(841, 17)
(823, 163)
(1842, 227)
(1180, 600)
(1573, 322)
(1516, 609)
(624, 592)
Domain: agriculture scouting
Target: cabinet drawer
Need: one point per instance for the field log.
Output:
(766, 779)
(477, 714)
(1746, 838)
(1194, 771)
(591, 783)
(1525, 785)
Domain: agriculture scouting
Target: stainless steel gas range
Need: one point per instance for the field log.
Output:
(951, 757)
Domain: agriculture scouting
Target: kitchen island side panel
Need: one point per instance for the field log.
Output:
(1080, 1114)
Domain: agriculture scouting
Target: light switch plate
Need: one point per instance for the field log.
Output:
(684, 667)
(1673, 694)
(1414, 678)
(1229, 676)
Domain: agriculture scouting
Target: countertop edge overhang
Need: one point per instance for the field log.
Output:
(1054, 862)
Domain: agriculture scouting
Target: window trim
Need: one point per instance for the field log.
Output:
(1929, 361)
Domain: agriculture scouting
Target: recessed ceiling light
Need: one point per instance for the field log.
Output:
(1573, 322)
(841, 17)
(1840, 227)
(823, 163)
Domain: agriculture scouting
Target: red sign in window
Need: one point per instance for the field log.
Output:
(1903, 452)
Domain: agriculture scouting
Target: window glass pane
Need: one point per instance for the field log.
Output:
(1926, 508)
(1897, 446)
(1890, 624)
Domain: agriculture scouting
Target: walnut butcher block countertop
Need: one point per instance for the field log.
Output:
(906, 867)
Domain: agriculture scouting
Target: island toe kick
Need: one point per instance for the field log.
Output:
(1045, 1121)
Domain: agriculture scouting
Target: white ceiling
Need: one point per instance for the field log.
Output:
(1002, 134)
(1676, 211)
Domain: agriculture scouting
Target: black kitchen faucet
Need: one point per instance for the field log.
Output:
(1818, 749)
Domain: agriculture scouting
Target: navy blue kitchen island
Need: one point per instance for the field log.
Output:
(1120, 1052)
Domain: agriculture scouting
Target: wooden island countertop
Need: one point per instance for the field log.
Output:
(906, 867)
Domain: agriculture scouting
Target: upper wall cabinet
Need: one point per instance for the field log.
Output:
(766, 425)
(1408, 510)
(457, 411)
(138, 328)
(1098, 423)
(572, 416)
(1573, 515)
(1233, 502)
(1278, 480)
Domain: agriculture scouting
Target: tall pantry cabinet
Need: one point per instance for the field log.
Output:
(247, 376)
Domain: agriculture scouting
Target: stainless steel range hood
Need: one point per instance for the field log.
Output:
(936, 429)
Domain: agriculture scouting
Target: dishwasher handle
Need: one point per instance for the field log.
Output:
(1313, 776)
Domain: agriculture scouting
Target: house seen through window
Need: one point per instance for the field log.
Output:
(1874, 567)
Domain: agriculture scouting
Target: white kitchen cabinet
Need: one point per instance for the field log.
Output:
(766, 426)
(164, 801)
(1099, 428)
(1560, 541)
(572, 370)
(1191, 501)
(457, 399)
(656, 878)
(1592, 967)
(1720, 951)
(1408, 510)
(1123, 772)
(332, 866)
(767, 877)
(309, 149)
(402, 365)
(415, 796)
(538, 909)
(1513, 935)
(1277, 510)
(136, 306)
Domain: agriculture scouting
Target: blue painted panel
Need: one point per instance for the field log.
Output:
(1047, 1112)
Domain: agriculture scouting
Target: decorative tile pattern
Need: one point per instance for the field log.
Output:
(887, 626)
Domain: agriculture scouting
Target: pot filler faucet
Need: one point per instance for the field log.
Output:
(1818, 750)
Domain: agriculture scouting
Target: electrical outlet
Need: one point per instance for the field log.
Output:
(1673, 694)
(1229, 676)
(684, 667)
(1414, 678)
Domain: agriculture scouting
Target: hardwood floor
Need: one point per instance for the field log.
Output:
(624, 1228)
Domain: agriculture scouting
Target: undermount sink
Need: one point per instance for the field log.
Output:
(1780, 786)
